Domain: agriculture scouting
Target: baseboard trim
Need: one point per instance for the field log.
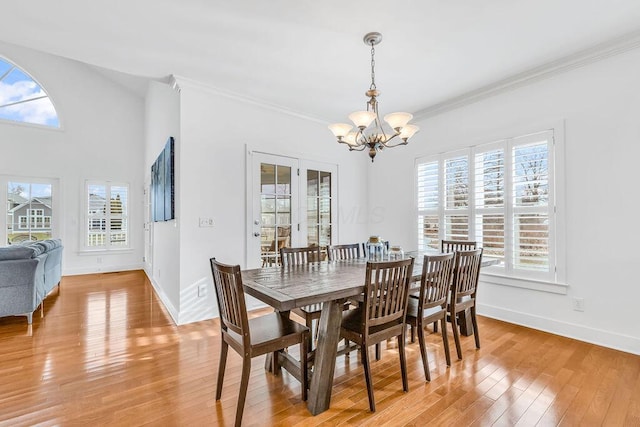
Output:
(164, 299)
(108, 269)
(595, 336)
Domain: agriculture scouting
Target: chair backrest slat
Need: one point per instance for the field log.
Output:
(436, 279)
(299, 256)
(227, 281)
(338, 252)
(466, 272)
(387, 291)
(447, 246)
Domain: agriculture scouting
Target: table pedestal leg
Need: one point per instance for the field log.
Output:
(464, 320)
(270, 363)
(325, 357)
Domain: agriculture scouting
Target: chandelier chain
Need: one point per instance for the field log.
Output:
(373, 67)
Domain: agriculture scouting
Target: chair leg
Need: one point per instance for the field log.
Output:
(435, 327)
(413, 332)
(423, 353)
(474, 321)
(445, 340)
(377, 351)
(221, 368)
(367, 376)
(304, 373)
(456, 334)
(403, 362)
(309, 323)
(244, 384)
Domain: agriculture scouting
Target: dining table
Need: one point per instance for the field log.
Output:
(331, 283)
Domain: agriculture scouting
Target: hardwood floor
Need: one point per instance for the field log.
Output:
(106, 353)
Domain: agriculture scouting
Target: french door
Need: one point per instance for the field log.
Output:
(291, 202)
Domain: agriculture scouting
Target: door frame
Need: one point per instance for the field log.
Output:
(252, 204)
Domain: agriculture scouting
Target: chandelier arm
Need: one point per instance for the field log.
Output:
(387, 145)
(353, 147)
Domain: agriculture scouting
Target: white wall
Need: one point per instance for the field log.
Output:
(600, 105)
(162, 120)
(214, 131)
(102, 130)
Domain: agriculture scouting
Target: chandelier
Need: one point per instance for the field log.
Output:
(370, 132)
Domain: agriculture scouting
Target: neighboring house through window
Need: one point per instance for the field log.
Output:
(29, 210)
(107, 215)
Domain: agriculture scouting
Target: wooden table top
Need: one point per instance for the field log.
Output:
(285, 288)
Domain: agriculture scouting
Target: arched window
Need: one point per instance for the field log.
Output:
(22, 99)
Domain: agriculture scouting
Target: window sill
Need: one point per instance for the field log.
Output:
(105, 251)
(519, 282)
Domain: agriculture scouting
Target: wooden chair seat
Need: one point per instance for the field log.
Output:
(352, 323)
(428, 314)
(269, 333)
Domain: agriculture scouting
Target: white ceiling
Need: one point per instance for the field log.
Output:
(308, 56)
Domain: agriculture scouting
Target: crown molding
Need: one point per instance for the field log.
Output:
(579, 59)
(179, 82)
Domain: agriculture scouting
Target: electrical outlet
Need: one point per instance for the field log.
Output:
(202, 290)
(578, 304)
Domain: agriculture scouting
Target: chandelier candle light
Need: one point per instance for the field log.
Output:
(369, 132)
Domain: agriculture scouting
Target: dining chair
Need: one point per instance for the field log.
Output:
(466, 272)
(300, 256)
(251, 337)
(447, 246)
(381, 315)
(431, 304)
(343, 252)
(339, 252)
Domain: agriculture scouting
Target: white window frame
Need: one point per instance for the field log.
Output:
(86, 229)
(504, 274)
(55, 227)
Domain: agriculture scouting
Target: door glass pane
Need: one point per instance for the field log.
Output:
(312, 183)
(275, 207)
(29, 212)
(283, 183)
(325, 184)
(267, 178)
(318, 208)
(312, 235)
(325, 235)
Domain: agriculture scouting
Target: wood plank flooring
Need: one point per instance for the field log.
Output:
(106, 353)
